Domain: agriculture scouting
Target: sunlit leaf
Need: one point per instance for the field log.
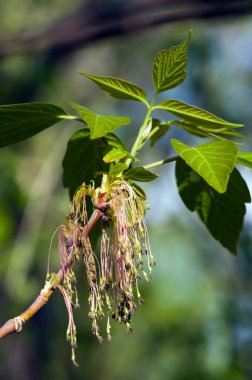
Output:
(245, 159)
(169, 66)
(117, 169)
(82, 161)
(222, 214)
(100, 125)
(118, 88)
(21, 121)
(213, 161)
(140, 174)
(206, 120)
(206, 131)
(114, 155)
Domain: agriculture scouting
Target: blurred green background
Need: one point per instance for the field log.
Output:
(197, 319)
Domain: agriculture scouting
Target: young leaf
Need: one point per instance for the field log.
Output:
(117, 169)
(213, 161)
(169, 66)
(245, 159)
(119, 88)
(83, 159)
(196, 115)
(21, 121)
(140, 174)
(100, 125)
(114, 155)
(158, 130)
(222, 214)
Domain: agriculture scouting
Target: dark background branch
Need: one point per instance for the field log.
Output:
(95, 21)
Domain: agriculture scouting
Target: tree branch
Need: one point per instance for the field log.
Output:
(91, 23)
(16, 324)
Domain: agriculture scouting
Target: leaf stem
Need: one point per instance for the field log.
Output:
(161, 162)
(139, 140)
(71, 117)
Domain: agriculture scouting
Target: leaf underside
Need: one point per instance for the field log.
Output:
(222, 214)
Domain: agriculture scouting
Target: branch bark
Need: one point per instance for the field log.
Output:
(16, 324)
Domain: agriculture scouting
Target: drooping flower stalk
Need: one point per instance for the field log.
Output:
(71, 329)
(113, 279)
(124, 243)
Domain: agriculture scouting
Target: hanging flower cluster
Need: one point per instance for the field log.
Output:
(125, 257)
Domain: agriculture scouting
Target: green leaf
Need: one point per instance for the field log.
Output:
(222, 214)
(100, 125)
(119, 150)
(140, 174)
(159, 130)
(139, 191)
(169, 66)
(117, 169)
(206, 131)
(114, 155)
(82, 161)
(21, 121)
(245, 159)
(119, 88)
(213, 161)
(114, 141)
(196, 115)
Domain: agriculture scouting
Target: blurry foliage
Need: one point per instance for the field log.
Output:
(40, 13)
(197, 319)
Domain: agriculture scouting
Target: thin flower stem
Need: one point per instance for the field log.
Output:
(15, 324)
(161, 162)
